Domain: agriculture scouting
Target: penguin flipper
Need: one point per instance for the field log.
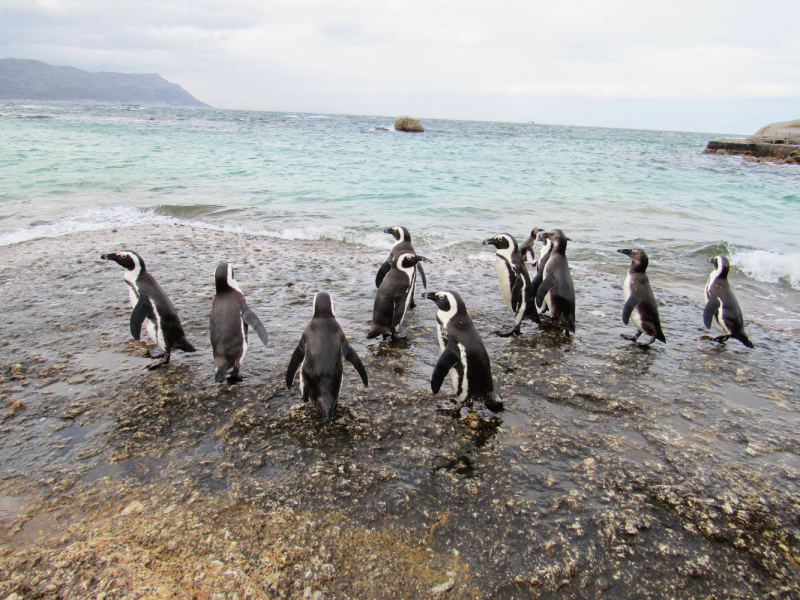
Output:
(251, 319)
(547, 284)
(143, 310)
(447, 361)
(385, 268)
(354, 360)
(631, 303)
(399, 306)
(422, 274)
(294, 363)
(712, 306)
(516, 292)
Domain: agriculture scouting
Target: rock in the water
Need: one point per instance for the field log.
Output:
(410, 124)
(786, 132)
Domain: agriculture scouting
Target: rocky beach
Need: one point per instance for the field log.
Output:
(614, 471)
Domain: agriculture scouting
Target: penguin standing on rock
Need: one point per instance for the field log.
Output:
(319, 358)
(514, 281)
(394, 296)
(640, 303)
(722, 310)
(151, 307)
(402, 245)
(463, 355)
(230, 322)
(556, 292)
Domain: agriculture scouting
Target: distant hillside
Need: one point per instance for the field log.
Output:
(36, 80)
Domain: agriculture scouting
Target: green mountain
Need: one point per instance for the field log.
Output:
(36, 80)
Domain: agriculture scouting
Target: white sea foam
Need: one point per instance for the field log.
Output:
(769, 267)
(117, 217)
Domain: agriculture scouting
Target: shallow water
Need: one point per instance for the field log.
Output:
(613, 467)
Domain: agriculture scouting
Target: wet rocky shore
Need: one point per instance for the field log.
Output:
(614, 471)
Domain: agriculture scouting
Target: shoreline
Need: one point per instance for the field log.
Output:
(667, 471)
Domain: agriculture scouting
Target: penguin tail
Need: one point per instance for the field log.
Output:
(219, 375)
(660, 336)
(745, 340)
(375, 331)
(185, 346)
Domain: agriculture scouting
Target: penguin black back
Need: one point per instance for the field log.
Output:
(722, 310)
(557, 291)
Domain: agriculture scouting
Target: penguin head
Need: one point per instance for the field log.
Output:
(323, 306)
(557, 238)
(721, 266)
(639, 258)
(408, 260)
(326, 405)
(400, 233)
(502, 241)
(225, 278)
(128, 260)
(448, 302)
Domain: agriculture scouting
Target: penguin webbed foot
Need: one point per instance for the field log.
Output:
(631, 338)
(235, 376)
(508, 332)
(652, 339)
(454, 407)
(156, 365)
(155, 353)
(721, 339)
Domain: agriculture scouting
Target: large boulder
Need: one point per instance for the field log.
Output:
(786, 132)
(406, 123)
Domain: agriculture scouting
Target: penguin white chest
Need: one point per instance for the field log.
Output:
(504, 280)
(718, 320)
(627, 290)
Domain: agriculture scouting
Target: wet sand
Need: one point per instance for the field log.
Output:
(636, 473)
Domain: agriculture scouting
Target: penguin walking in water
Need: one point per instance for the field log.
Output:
(402, 245)
(556, 292)
(231, 320)
(514, 281)
(463, 355)
(394, 296)
(319, 358)
(640, 303)
(151, 307)
(722, 310)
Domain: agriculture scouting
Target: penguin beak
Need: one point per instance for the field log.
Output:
(113, 257)
(388, 231)
(626, 251)
(542, 235)
(420, 259)
(491, 241)
(712, 261)
(429, 296)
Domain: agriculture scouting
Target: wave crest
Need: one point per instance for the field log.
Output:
(768, 267)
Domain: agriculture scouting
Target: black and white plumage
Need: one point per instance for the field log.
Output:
(640, 303)
(463, 355)
(556, 293)
(514, 281)
(394, 296)
(538, 264)
(402, 245)
(722, 310)
(319, 358)
(151, 307)
(231, 320)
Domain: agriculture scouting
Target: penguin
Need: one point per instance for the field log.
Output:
(463, 355)
(319, 358)
(640, 303)
(151, 307)
(514, 281)
(722, 310)
(556, 291)
(230, 321)
(394, 296)
(402, 245)
(538, 265)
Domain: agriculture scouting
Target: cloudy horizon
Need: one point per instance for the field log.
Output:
(716, 66)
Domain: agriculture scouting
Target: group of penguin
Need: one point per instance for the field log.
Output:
(318, 355)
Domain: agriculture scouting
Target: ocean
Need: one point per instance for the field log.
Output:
(66, 168)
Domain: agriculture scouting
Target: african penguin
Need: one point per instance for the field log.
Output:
(722, 310)
(527, 245)
(463, 355)
(230, 321)
(319, 358)
(538, 264)
(151, 307)
(402, 245)
(556, 291)
(514, 282)
(394, 296)
(640, 303)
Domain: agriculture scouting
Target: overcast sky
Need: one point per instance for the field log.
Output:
(726, 66)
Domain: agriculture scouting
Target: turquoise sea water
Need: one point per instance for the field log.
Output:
(72, 167)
